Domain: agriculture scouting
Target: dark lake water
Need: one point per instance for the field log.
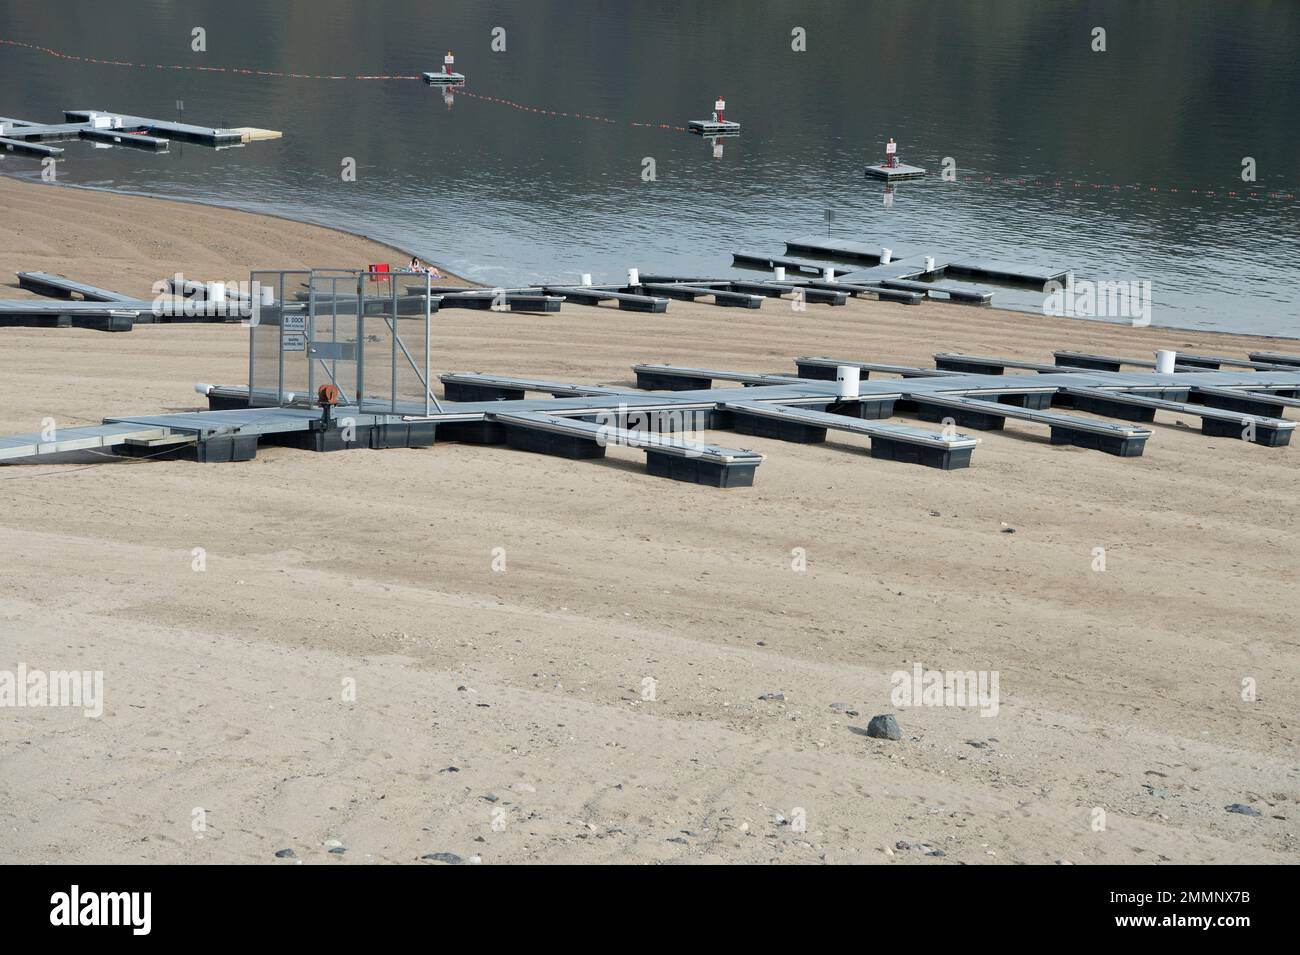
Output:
(1117, 164)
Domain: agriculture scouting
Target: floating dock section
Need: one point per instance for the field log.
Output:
(24, 137)
(893, 173)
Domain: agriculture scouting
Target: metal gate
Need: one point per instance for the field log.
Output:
(366, 332)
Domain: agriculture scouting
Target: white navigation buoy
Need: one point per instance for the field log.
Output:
(586, 278)
(720, 110)
(828, 274)
(886, 256)
(1165, 362)
(448, 62)
(929, 263)
(633, 276)
(780, 273)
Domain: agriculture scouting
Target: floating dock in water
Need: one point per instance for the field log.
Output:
(712, 127)
(911, 263)
(894, 173)
(119, 129)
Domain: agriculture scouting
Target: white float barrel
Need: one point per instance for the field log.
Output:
(780, 273)
(586, 278)
(633, 276)
(929, 263)
(828, 274)
(847, 377)
(1165, 361)
(886, 256)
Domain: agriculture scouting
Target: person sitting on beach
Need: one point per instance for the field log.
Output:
(420, 268)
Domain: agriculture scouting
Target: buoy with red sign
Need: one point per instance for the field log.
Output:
(718, 125)
(448, 76)
(892, 169)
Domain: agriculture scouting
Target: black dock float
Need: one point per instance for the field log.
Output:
(122, 138)
(1275, 358)
(1080, 360)
(1109, 408)
(548, 442)
(866, 407)
(709, 375)
(322, 440)
(969, 365)
(407, 434)
(858, 289)
(1229, 399)
(1258, 429)
(626, 301)
(762, 426)
(1074, 359)
(485, 300)
(1005, 274)
(472, 432)
(656, 381)
(720, 296)
(961, 295)
(847, 251)
(820, 294)
(57, 286)
(462, 391)
(666, 456)
(698, 471)
(22, 148)
(824, 369)
(1121, 440)
(893, 442)
(1118, 445)
(757, 260)
(209, 449)
(1269, 437)
(980, 420)
(766, 289)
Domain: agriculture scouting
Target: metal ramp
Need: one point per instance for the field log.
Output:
(63, 440)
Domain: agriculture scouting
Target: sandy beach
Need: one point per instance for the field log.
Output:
(350, 667)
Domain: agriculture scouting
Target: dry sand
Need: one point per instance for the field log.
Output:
(502, 714)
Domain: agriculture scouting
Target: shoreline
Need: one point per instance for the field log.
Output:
(449, 276)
